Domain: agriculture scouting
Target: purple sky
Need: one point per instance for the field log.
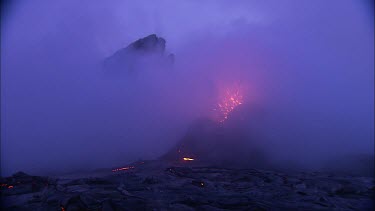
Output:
(307, 64)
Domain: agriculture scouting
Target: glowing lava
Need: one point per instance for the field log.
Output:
(228, 102)
(7, 186)
(188, 159)
(123, 169)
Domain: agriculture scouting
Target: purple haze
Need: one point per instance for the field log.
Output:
(308, 67)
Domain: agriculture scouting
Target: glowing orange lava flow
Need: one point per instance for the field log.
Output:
(122, 169)
(229, 101)
(7, 186)
(188, 159)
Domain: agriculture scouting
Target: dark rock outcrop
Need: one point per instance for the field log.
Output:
(149, 50)
(149, 44)
(220, 144)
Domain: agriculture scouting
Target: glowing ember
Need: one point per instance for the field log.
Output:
(229, 101)
(123, 169)
(7, 186)
(188, 159)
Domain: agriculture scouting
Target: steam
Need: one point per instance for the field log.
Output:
(307, 74)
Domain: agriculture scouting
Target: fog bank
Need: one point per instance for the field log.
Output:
(305, 70)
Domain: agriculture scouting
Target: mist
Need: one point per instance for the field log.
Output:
(305, 70)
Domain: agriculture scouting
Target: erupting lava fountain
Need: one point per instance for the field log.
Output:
(228, 101)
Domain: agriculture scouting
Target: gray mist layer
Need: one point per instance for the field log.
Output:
(306, 68)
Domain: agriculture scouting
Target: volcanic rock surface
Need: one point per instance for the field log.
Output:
(149, 50)
(217, 144)
(161, 185)
(229, 143)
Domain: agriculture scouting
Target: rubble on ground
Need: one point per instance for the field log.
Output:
(153, 185)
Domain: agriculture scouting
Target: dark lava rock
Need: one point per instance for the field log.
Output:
(149, 50)
(20, 174)
(198, 183)
(22, 183)
(151, 43)
(212, 143)
(150, 180)
(107, 205)
(151, 186)
(180, 171)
